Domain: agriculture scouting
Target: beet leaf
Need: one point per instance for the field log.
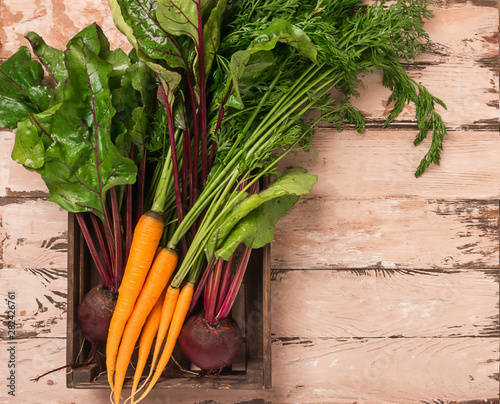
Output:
(82, 163)
(21, 92)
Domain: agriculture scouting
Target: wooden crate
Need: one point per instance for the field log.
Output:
(252, 311)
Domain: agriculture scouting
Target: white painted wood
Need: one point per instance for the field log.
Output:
(327, 233)
(381, 370)
(35, 357)
(382, 163)
(383, 304)
(321, 370)
(33, 234)
(33, 262)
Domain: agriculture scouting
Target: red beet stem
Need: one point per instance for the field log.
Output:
(93, 250)
(200, 287)
(225, 281)
(118, 258)
(211, 291)
(99, 231)
(235, 285)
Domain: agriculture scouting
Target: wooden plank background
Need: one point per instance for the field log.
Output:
(385, 288)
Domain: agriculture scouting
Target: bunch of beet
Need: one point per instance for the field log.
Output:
(211, 338)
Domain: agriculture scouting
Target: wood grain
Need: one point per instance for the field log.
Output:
(390, 303)
(387, 233)
(376, 164)
(382, 163)
(33, 254)
(319, 370)
(386, 370)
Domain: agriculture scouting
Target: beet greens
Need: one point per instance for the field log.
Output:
(87, 138)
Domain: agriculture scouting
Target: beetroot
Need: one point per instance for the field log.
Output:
(93, 318)
(95, 312)
(210, 346)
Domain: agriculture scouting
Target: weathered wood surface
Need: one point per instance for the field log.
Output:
(381, 164)
(385, 288)
(385, 304)
(388, 233)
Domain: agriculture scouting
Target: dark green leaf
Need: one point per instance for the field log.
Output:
(146, 86)
(51, 58)
(20, 89)
(120, 62)
(134, 105)
(82, 163)
(33, 138)
(245, 68)
(211, 34)
(148, 35)
(93, 37)
(40, 96)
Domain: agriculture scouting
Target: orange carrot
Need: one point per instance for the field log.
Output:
(147, 336)
(147, 235)
(167, 313)
(158, 277)
(166, 317)
(181, 310)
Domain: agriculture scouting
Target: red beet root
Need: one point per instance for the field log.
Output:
(95, 312)
(210, 346)
(93, 318)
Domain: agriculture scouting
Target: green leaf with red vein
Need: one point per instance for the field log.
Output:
(82, 162)
(184, 17)
(21, 92)
(147, 34)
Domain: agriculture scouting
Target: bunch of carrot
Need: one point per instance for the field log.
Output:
(149, 304)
